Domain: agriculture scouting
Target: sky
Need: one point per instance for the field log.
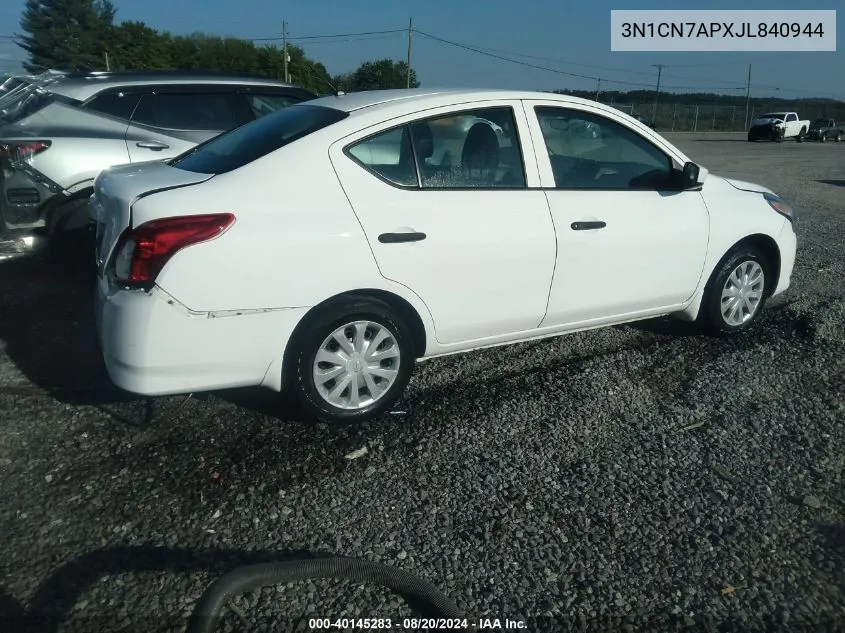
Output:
(567, 37)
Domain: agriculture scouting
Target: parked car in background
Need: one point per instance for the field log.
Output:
(289, 254)
(55, 138)
(777, 126)
(826, 130)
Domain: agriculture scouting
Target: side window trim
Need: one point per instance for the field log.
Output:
(541, 145)
(416, 157)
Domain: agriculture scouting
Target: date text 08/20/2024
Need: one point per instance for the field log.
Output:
(414, 624)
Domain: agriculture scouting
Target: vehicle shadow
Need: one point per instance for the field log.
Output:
(48, 331)
(56, 597)
(835, 183)
(665, 326)
(47, 323)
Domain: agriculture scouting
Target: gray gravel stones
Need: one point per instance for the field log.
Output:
(627, 479)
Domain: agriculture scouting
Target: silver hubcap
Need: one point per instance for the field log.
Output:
(742, 293)
(356, 365)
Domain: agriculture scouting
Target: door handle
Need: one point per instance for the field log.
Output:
(396, 238)
(586, 226)
(153, 145)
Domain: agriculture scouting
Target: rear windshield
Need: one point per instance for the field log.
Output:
(250, 142)
(774, 115)
(27, 102)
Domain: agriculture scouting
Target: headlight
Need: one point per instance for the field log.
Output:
(780, 206)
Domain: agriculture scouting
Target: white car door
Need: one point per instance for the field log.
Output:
(453, 219)
(171, 121)
(629, 243)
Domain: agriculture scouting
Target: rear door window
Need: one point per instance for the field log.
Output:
(120, 105)
(194, 111)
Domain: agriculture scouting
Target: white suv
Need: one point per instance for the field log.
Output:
(56, 138)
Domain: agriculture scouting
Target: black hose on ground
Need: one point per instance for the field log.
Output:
(207, 612)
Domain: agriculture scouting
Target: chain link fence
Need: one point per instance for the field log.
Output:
(685, 117)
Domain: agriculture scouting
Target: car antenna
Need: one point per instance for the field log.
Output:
(337, 93)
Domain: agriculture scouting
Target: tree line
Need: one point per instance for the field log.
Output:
(83, 35)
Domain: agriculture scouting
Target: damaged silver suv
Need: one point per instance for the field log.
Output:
(55, 138)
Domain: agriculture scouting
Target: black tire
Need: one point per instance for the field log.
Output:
(801, 135)
(838, 137)
(710, 314)
(778, 136)
(310, 339)
(822, 138)
(750, 139)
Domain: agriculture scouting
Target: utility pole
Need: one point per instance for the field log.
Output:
(408, 62)
(747, 96)
(285, 47)
(108, 67)
(657, 90)
(598, 88)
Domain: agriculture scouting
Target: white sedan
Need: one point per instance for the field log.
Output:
(327, 247)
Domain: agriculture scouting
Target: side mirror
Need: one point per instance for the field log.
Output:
(689, 176)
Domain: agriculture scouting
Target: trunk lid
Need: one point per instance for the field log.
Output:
(117, 189)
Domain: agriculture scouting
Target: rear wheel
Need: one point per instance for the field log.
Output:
(736, 292)
(353, 361)
(801, 135)
(838, 137)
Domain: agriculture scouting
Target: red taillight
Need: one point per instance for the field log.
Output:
(146, 249)
(22, 151)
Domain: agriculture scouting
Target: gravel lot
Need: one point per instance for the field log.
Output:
(635, 478)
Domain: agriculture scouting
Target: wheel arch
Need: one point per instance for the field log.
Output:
(407, 312)
(59, 212)
(766, 244)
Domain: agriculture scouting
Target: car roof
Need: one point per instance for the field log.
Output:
(82, 86)
(374, 100)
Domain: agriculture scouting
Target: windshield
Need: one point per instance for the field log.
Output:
(250, 142)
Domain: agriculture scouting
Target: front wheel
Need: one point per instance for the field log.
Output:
(353, 361)
(736, 293)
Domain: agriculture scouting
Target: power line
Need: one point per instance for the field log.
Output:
(330, 35)
(366, 38)
(558, 71)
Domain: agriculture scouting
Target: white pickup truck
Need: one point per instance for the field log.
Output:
(777, 126)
